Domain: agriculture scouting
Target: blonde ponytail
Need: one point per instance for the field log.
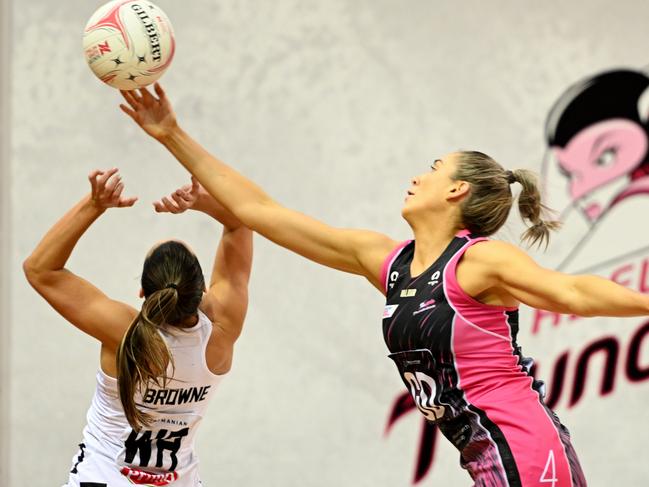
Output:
(173, 284)
(143, 355)
(486, 208)
(532, 210)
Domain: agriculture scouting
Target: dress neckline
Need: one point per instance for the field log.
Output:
(427, 269)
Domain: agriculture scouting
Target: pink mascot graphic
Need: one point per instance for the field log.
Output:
(597, 135)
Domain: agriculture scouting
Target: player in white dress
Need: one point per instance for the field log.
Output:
(159, 366)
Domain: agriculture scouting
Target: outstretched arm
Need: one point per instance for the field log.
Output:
(78, 301)
(355, 251)
(226, 300)
(506, 267)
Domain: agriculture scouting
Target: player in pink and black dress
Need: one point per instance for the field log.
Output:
(460, 360)
(452, 296)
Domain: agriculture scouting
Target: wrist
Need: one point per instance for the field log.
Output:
(208, 205)
(91, 206)
(170, 135)
(201, 203)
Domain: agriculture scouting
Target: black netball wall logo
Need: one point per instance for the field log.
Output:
(597, 165)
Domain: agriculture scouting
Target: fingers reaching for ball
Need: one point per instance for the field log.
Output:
(184, 198)
(173, 203)
(146, 98)
(106, 189)
(154, 114)
(160, 92)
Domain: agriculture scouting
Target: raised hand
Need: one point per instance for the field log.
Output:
(107, 190)
(154, 115)
(184, 198)
(193, 196)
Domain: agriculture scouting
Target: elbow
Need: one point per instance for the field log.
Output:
(35, 275)
(30, 270)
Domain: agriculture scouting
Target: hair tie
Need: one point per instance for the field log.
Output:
(172, 286)
(511, 178)
(539, 224)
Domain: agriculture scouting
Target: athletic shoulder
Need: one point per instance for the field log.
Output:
(493, 253)
(374, 251)
(377, 241)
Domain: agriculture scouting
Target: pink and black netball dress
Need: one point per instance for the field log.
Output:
(460, 360)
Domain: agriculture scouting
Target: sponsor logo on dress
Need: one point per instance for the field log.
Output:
(408, 293)
(425, 306)
(140, 477)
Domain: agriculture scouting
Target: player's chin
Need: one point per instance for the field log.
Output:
(406, 210)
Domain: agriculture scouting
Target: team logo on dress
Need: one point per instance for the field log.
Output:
(425, 306)
(434, 279)
(394, 275)
(389, 310)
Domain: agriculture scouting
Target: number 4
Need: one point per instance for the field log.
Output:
(550, 469)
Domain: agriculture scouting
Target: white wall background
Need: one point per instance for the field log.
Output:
(332, 107)
(5, 229)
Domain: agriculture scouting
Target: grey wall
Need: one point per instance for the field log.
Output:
(5, 231)
(332, 107)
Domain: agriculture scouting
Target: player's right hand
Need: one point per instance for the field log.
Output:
(106, 190)
(154, 115)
